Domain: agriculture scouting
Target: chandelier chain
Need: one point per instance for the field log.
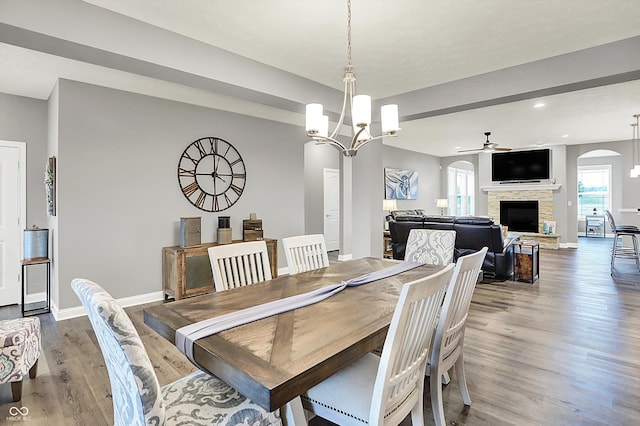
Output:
(348, 32)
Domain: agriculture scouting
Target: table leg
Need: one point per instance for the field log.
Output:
(293, 414)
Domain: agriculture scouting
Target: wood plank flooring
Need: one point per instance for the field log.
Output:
(563, 351)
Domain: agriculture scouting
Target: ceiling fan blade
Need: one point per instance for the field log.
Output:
(470, 150)
(502, 149)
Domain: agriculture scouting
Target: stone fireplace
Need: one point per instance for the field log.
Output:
(542, 194)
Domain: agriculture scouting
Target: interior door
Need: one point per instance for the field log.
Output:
(332, 209)
(10, 184)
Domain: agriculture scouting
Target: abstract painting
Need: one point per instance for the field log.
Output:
(400, 184)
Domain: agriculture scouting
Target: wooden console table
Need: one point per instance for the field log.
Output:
(186, 271)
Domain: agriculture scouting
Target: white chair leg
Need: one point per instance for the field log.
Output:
(613, 251)
(293, 413)
(417, 415)
(436, 397)
(462, 380)
(446, 378)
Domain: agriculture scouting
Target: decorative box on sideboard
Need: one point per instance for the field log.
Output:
(186, 271)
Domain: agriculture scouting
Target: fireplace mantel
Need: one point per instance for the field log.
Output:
(521, 187)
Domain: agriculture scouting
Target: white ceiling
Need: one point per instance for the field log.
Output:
(398, 46)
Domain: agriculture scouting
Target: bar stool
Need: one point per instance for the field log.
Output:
(20, 348)
(619, 232)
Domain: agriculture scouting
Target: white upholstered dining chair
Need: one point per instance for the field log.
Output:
(448, 344)
(383, 390)
(430, 246)
(138, 398)
(240, 264)
(305, 253)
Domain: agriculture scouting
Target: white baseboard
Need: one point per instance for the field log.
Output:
(283, 271)
(569, 245)
(125, 302)
(343, 257)
(35, 297)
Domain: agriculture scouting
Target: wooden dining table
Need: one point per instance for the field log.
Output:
(274, 360)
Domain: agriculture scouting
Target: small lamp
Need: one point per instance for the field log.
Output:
(442, 204)
(388, 206)
(595, 211)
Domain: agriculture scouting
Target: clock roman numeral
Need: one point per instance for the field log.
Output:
(186, 173)
(215, 205)
(201, 199)
(236, 189)
(193, 160)
(200, 146)
(190, 189)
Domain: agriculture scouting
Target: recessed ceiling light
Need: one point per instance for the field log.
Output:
(539, 105)
(565, 136)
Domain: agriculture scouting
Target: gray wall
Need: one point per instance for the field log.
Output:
(119, 201)
(429, 177)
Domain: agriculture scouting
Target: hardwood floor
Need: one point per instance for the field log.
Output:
(563, 351)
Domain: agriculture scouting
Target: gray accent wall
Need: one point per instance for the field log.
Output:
(119, 200)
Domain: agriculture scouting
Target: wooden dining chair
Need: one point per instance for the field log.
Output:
(383, 390)
(430, 246)
(305, 253)
(138, 399)
(448, 342)
(240, 264)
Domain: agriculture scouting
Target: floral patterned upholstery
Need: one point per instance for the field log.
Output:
(19, 349)
(430, 246)
(198, 399)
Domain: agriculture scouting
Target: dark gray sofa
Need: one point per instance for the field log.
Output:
(472, 233)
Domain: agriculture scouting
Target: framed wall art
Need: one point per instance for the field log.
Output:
(400, 184)
(50, 184)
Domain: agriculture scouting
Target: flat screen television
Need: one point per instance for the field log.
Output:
(520, 166)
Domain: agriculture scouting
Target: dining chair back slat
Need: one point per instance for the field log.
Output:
(239, 264)
(305, 253)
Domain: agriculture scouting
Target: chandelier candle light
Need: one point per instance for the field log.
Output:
(317, 124)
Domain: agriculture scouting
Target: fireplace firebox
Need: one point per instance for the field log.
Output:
(519, 216)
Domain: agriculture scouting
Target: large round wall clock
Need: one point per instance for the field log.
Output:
(211, 174)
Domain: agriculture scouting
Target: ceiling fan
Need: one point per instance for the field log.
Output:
(487, 146)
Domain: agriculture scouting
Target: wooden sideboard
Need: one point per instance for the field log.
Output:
(186, 271)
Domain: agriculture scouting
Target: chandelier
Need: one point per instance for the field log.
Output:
(635, 141)
(317, 124)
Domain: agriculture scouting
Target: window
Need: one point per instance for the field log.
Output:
(594, 189)
(461, 191)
